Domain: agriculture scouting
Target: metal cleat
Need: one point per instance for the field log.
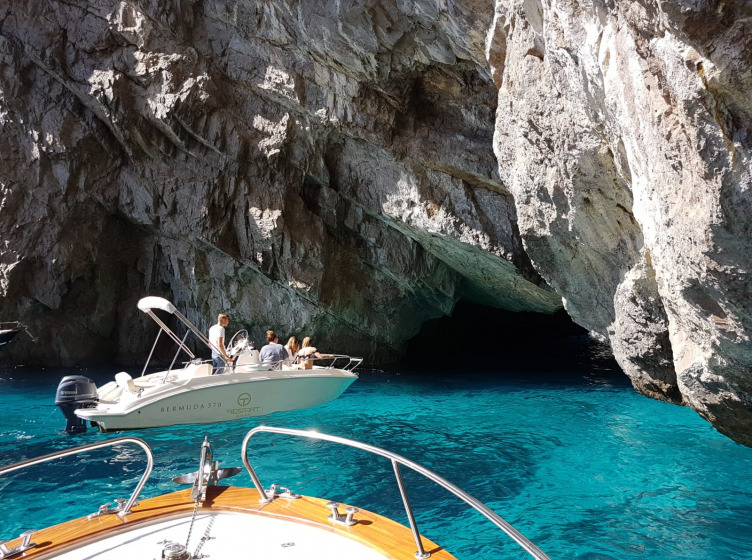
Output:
(337, 517)
(288, 494)
(25, 545)
(107, 509)
(276, 491)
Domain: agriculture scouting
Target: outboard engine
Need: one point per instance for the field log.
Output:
(74, 392)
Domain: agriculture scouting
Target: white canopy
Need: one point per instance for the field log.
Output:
(153, 302)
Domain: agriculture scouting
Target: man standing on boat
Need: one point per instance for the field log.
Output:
(220, 358)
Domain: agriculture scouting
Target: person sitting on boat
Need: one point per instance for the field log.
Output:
(273, 351)
(307, 352)
(292, 347)
(220, 357)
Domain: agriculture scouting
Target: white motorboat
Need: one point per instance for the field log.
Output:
(191, 394)
(7, 334)
(220, 522)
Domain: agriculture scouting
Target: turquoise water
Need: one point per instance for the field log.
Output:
(576, 460)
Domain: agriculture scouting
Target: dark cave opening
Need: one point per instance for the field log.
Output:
(481, 338)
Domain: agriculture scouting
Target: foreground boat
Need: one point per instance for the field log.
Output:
(191, 394)
(211, 521)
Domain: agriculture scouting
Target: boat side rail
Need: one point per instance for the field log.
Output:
(327, 361)
(124, 507)
(335, 361)
(396, 460)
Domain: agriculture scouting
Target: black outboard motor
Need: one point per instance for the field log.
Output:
(74, 392)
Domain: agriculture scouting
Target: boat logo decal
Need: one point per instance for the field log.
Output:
(244, 399)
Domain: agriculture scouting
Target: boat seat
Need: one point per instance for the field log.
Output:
(248, 358)
(203, 370)
(126, 382)
(109, 392)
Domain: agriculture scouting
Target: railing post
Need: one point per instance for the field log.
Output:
(126, 509)
(249, 468)
(421, 553)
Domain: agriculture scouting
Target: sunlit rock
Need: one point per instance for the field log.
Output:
(623, 131)
(316, 169)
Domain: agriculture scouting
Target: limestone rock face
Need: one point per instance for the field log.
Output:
(623, 131)
(351, 170)
(315, 168)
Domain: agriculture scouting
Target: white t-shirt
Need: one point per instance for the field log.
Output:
(215, 333)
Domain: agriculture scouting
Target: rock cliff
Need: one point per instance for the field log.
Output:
(352, 170)
(623, 132)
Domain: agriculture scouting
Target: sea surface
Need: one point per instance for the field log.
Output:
(573, 457)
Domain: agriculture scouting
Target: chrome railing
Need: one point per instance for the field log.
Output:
(326, 361)
(124, 508)
(397, 460)
(336, 361)
(352, 361)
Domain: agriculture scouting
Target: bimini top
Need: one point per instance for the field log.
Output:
(153, 302)
(149, 304)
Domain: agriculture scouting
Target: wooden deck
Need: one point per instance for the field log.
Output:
(392, 540)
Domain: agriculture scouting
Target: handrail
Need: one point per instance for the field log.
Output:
(80, 449)
(352, 363)
(331, 359)
(477, 505)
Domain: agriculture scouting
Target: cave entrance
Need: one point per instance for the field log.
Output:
(481, 338)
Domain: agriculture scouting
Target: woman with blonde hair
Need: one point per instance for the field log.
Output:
(292, 347)
(307, 352)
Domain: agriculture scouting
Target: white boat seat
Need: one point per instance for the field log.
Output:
(109, 392)
(126, 382)
(203, 370)
(248, 358)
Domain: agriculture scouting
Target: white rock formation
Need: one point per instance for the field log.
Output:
(623, 131)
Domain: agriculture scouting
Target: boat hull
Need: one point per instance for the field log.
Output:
(220, 398)
(6, 335)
